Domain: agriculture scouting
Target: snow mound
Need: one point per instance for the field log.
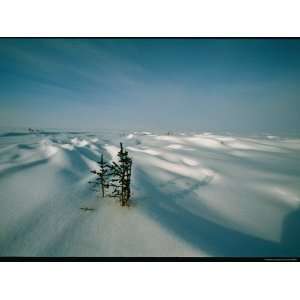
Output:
(228, 196)
(67, 146)
(144, 150)
(175, 146)
(79, 142)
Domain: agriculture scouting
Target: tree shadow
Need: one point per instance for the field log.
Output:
(206, 235)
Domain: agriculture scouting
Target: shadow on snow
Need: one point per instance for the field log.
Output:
(215, 239)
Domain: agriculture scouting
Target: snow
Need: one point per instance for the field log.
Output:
(147, 150)
(175, 146)
(112, 151)
(79, 142)
(194, 194)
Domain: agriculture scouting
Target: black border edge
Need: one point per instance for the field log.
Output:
(144, 258)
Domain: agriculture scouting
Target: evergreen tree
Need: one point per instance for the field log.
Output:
(103, 175)
(116, 176)
(121, 177)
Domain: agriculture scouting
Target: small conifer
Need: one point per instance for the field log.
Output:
(102, 175)
(121, 177)
(116, 176)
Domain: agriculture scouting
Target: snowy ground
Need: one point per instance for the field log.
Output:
(193, 195)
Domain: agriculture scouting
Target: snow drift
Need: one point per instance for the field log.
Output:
(193, 195)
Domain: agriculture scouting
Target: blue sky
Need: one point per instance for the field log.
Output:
(236, 85)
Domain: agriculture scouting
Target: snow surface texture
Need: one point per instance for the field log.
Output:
(193, 195)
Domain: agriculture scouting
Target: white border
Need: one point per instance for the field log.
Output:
(149, 281)
(93, 18)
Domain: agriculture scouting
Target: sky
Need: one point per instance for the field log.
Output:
(217, 85)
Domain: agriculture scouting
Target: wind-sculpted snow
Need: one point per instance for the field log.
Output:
(197, 194)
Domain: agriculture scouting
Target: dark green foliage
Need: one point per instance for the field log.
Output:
(121, 176)
(102, 175)
(116, 177)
